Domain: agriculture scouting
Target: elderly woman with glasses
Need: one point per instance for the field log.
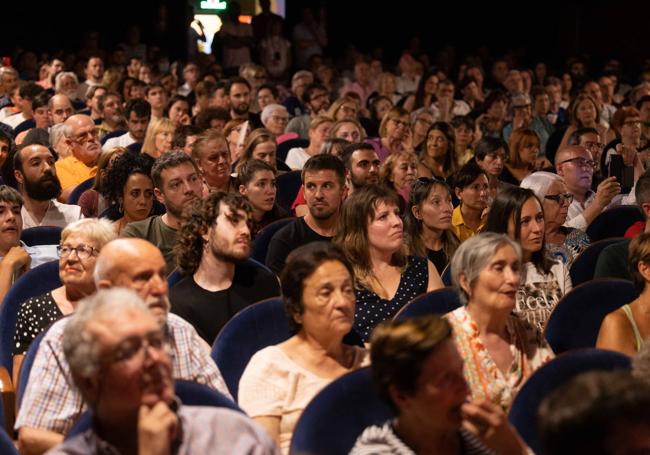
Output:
(81, 242)
(564, 243)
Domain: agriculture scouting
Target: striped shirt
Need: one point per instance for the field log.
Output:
(52, 402)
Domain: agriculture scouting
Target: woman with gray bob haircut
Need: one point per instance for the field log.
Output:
(500, 350)
(563, 243)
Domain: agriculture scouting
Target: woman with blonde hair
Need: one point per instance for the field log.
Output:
(319, 131)
(235, 132)
(394, 134)
(372, 236)
(584, 112)
(342, 108)
(158, 139)
(399, 172)
(349, 129)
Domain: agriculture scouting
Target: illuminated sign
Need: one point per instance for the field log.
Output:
(211, 6)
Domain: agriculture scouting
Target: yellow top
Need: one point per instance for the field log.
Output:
(462, 231)
(72, 172)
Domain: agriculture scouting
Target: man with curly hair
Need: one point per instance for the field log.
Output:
(212, 251)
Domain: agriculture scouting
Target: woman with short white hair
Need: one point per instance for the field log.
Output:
(275, 118)
(564, 243)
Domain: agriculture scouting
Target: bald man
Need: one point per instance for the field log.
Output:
(82, 138)
(576, 165)
(51, 403)
(59, 108)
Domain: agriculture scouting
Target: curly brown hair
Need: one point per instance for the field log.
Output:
(190, 243)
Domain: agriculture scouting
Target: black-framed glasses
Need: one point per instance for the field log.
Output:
(564, 198)
(83, 251)
(580, 161)
(131, 346)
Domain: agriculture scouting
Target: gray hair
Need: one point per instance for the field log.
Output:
(101, 231)
(540, 182)
(473, 255)
(59, 77)
(80, 348)
(56, 133)
(268, 111)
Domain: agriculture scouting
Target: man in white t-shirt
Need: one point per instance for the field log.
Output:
(138, 113)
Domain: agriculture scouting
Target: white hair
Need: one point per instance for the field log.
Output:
(540, 182)
(59, 78)
(268, 111)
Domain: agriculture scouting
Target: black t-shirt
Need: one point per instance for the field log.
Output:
(438, 258)
(209, 311)
(287, 239)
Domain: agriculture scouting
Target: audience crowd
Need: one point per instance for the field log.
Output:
(347, 189)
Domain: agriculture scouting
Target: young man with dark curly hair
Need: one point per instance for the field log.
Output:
(212, 251)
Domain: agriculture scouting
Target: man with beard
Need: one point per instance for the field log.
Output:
(94, 73)
(177, 185)
(317, 100)
(51, 403)
(212, 252)
(82, 139)
(361, 166)
(39, 186)
(323, 182)
(137, 113)
(110, 105)
(239, 93)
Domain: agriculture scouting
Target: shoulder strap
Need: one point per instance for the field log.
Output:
(637, 336)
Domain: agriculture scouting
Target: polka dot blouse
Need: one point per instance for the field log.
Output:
(34, 316)
(372, 309)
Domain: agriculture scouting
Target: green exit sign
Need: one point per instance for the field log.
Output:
(211, 6)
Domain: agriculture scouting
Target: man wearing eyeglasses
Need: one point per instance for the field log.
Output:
(81, 136)
(51, 403)
(576, 165)
(120, 361)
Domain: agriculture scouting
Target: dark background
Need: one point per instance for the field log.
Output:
(549, 30)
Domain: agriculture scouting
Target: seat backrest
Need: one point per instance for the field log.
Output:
(614, 222)
(288, 186)
(285, 146)
(41, 235)
(7, 446)
(263, 237)
(26, 367)
(35, 282)
(575, 321)
(440, 301)
(523, 414)
(584, 265)
(190, 394)
(174, 277)
(255, 327)
(79, 189)
(334, 419)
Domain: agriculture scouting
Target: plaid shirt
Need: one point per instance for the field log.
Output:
(52, 402)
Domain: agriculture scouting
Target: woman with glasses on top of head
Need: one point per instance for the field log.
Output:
(427, 222)
(563, 243)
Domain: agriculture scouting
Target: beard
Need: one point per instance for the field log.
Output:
(221, 252)
(46, 188)
(242, 109)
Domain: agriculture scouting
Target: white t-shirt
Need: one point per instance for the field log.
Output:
(57, 214)
(120, 141)
(296, 158)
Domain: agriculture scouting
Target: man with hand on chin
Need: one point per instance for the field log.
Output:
(119, 359)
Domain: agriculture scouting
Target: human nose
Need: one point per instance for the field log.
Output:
(512, 275)
(157, 285)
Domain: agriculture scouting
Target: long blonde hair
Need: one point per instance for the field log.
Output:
(156, 126)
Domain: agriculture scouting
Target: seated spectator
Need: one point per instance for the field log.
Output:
(323, 181)
(257, 182)
(427, 222)
(138, 114)
(91, 201)
(398, 172)
(599, 412)
(445, 107)
(348, 129)
(129, 188)
(576, 166)
(235, 132)
(110, 332)
(317, 101)
(35, 172)
(319, 130)
(626, 328)
(51, 403)
(275, 118)
(280, 380)
(211, 154)
(563, 243)
(371, 235)
(437, 157)
(210, 252)
(464, 128)
(490, 154)
(176, 185)
(261, 145)
(501, 350)
(521, 162)
(418, 372)
(6, 158)
(394, 133)
(184, 138)
(493, 119)
(584, 112)
(613, 260)
(178, 110)
(589, 139)
(82, 139)
(362, 165)
(523, 118)
(518, 213)
(420, 124)
(212, 117)
(472, 190)
(158, 139)
(85, 238)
